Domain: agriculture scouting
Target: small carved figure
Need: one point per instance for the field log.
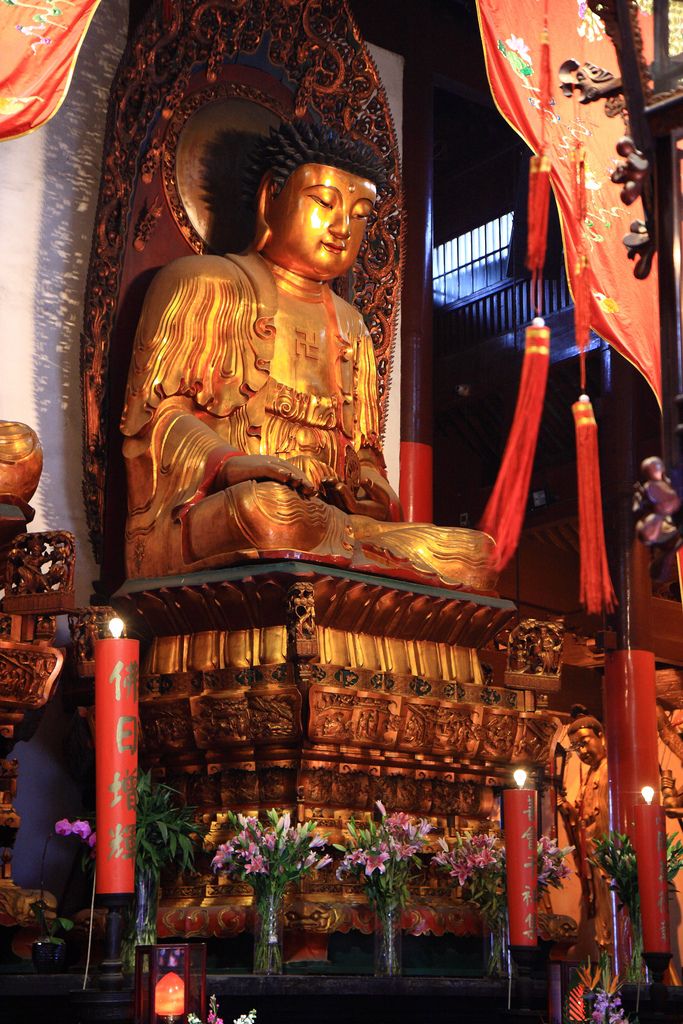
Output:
(589, 80)
(630, 172)
(40, 563)
(659, 509)
(535, 648)
(367, 724)
(333, 724)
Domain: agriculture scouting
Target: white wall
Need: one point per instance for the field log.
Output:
(48, 194)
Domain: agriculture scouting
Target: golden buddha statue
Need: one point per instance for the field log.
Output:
(251, 420)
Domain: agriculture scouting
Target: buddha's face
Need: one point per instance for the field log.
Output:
(318, 220)
(589, 747)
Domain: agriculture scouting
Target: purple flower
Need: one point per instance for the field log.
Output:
(398, 821)
(376, 862)
(381, 808)
(63, 827)
(256, 866)
(92, 840)
(324, 861)
(462, 873)
(81, 829)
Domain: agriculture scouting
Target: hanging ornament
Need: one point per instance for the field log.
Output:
(596, 592)
(595, 588)
(504, 514)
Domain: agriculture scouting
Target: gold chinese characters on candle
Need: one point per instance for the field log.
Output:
(116, 760)
(519, 819)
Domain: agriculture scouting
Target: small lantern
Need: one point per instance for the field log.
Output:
(170, 982)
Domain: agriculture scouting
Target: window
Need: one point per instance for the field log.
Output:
(472, 262)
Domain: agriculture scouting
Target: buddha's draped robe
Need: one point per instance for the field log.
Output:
(212, 373)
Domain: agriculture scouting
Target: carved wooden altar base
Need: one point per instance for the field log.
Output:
(319, 690)
(38, 585)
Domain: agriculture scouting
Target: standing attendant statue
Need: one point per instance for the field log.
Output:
(251, 421)
(586, 816)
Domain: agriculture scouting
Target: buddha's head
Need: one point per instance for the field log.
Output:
(314, 194)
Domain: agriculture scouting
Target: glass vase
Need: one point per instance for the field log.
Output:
(635, 970)
(497, 961)
(268, 934)
(141, 926)
(388, 935)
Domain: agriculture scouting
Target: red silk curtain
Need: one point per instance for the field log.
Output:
(39, 43)
(623, 310)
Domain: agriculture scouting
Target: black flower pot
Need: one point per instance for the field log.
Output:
(48, 957)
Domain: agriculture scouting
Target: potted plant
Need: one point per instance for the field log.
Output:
(165, 834)
(383, 855)
(49, 951)
(268, 856)
(614, 854)
(477, 864)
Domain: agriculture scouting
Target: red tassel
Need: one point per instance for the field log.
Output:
(537, 212)
(596, 591)
(539, 181)
(504, 514)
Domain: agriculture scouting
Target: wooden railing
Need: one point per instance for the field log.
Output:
(497, 311)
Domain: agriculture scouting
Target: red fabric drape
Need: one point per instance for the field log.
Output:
(623, 310)
(39, 44)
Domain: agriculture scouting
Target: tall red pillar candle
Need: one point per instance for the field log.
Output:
(521, 844)
(650, 846)
(116, 762)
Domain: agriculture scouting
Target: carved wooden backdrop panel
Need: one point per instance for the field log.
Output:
(286, 57)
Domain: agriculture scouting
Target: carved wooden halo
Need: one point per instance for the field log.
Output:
(310, 48)
(198, 123)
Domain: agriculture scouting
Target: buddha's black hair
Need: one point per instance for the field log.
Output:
(297, 143)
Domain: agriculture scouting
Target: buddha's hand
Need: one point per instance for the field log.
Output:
(380, 492)
(319, 473)
(263, 467)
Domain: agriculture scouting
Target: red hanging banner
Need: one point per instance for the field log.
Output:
(116, 762)
(623, 311)
(521, 864)
(650, 847)
(39, 43)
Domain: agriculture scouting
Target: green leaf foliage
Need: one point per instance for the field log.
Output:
(49, 923)
(166, 833)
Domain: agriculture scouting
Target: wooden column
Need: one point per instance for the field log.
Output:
(416, 484)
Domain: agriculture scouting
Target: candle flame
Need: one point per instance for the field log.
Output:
(169, 997)
(520, 777)
(116, 627)
(648, 793)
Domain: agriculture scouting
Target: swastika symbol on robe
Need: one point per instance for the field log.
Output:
(306, 345)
